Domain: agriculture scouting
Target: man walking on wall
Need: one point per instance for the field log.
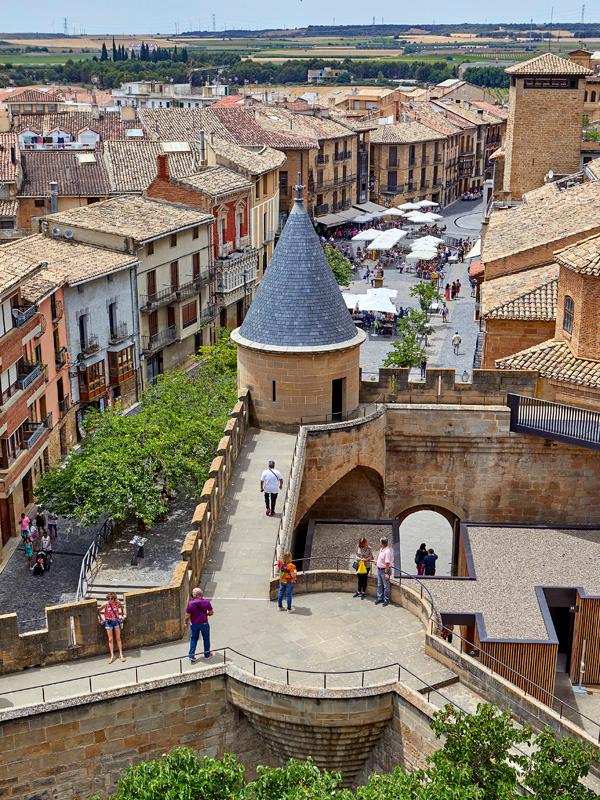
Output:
(270, 484)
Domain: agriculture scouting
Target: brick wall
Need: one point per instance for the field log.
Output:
(584, 340)
(543, 133)
(503, 337)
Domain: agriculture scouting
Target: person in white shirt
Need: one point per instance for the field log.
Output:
(270, 484)
(385, 562)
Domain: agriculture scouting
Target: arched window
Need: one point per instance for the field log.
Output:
(593, 97)
(568, 314)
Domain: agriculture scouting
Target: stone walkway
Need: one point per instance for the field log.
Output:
(330, 631)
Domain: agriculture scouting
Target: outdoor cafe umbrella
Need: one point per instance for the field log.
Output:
(433, 217)
(351, 300)
(361, 219)
(425, 241)
(475, 251)
(421, 255)
(409, 207)
(419, 217)
(366, 236)
(427, 204)
(387, 240)
(393, 212)
(376, 302)
(384, 292)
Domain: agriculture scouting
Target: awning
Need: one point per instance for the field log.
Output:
(331, 220)
(409, 207)
(475, 251)
(387, 239)
(427, 204)
(426, 242)
(393, 212)
(366, 236)
(370, 208)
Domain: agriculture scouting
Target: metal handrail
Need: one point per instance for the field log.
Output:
(91, 556)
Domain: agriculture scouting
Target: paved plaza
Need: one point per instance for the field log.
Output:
(462, 220)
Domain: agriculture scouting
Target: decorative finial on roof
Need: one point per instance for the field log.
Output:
(298, 187)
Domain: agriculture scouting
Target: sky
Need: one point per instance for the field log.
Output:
(156, 16)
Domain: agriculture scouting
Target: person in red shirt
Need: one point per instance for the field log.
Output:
(197, 613)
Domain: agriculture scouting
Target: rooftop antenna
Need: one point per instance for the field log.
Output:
(298, 187)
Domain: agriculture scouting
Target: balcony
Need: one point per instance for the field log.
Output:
(207, 314)
(342, 206)
(424, 185)
(60, 358)
(32, 432)
(322, 209)
(412, 162)
(174, 294)
(556, 421)
(322, 159)
(392, 163)
(437, 159)
(21, 314)
(155, 342)
(237, 271)
(242, 242)
(95, 388)
(343, 156)
(57, 311)
(119, 334)
(336, 183)
(27, 374)
(397, 189)
(119, 373)
(63, 407)
(90, 346)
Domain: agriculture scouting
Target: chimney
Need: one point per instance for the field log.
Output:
(202, 144)
(162, 166)
(53, 197)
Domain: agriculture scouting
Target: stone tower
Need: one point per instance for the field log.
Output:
(544, 122)
(298, 349)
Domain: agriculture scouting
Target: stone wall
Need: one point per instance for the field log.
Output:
(486, 386)
(165, 605)
(462, 459)
(82, 745)
(584, 290)
(503, 337)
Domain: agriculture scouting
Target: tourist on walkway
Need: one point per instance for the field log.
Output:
(270, 484)
(53, 524)
(364, 557)
(40, 565)
(457, 287)
(46, 549)
(453, 291)
(197, 613)
(419, 556)
(111, 616)
(28, 550)
(444, 312)
(423, 366)
(429, 562)
(40, 521)
(456, 340)
(287, 581)
(24, 524)
(447, 293)
(385, 560)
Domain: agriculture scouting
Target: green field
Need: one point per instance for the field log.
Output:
(42, 59)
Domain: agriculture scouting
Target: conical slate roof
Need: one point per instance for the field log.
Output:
(298, 302)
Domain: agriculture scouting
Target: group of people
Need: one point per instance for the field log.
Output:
(425, 559)
(452, 291)
(37, 536)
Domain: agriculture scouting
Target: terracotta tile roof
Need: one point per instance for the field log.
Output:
(33, 96)
(549, 219)
(247, 128)
(434, 119)
(180, 124)
(354, 122)
(404, 133)
(68, 262)
(108, 124)
(140, 218)
(15, 267)
(495, 111)
(228, 101)
(530, 294)
(216, 181)
(593, 167)
(460, 120)
(254, 160)
(548, 64)
(553, 359)
(305, 126)
(76, 177)
(8, 171)
(461, 114)
(583, 257)
(131, 166)
(8, 208)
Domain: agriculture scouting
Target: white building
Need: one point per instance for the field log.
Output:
(152, 94)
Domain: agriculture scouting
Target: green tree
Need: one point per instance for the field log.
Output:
(406, 350)
(115, 52)
(182, 775)
(298, 780)
(104, 53)
(340, 266)
(127, 466)
(556, 767)
(478, 756)
(427, 293)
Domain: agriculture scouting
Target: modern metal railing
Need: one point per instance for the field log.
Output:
(558, 421)
(23, 314)
(28, 373)
(90, 558)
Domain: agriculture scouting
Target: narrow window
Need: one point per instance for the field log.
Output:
(568, 314)
(274, 391)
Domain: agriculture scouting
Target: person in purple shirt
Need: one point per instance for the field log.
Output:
(197, 613)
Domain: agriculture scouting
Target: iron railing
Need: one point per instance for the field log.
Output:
(118, 333)
(22, 313)
(91, 345)
(558, 421)
(90, 558)
(158, 340)
(28, 373)
(63, 406)
(33, 431)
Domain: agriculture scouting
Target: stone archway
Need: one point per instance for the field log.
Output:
(430, 531)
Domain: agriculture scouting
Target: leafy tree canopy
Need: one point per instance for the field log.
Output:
(128, 465)
(340, 266)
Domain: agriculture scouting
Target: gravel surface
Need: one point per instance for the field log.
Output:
(509, 564)
(341, 540)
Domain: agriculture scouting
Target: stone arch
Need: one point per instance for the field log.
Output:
(357, 494)
(452, 513)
